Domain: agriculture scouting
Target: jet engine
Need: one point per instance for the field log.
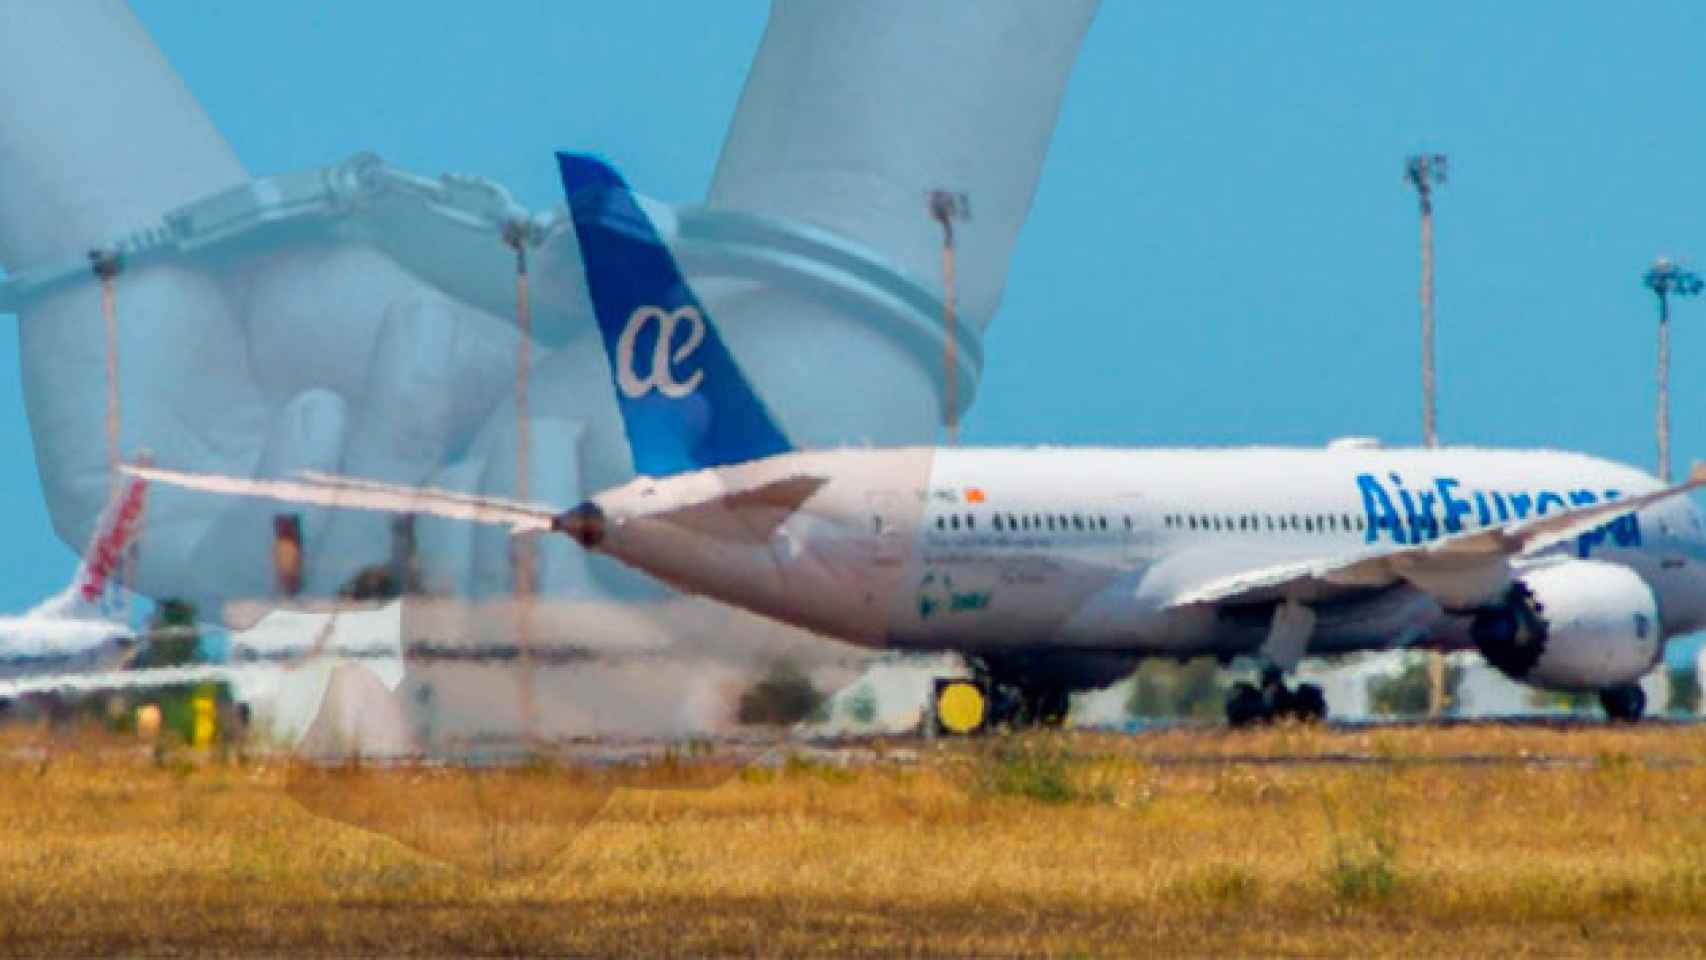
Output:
(1576, 625)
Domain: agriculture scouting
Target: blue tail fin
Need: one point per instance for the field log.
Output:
(684, 401)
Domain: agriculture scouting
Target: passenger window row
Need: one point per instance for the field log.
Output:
(1256, 522)
(1029, 522)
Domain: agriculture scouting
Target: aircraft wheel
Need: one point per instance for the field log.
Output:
(1246, 705)
(1048, 707)
(1308, 703)
(1625, 703)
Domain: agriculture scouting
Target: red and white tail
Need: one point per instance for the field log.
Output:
(94, 592)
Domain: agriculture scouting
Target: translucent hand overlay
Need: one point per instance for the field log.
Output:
(326, 357)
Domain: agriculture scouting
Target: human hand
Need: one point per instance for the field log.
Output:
(325, 357)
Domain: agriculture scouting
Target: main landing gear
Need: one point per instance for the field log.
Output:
(965, 705)
(1625, 703)
(1273, 700)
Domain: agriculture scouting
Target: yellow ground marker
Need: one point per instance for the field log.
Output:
(204, 726)
(960, 707)
(148, 721)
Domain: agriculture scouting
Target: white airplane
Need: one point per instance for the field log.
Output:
(75, 630)
(1054, 569)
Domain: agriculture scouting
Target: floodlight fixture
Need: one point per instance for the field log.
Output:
(1424, 171)
(947, 206)
(107, 263)
(1666, 279)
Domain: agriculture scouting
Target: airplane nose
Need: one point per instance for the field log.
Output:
(585, 523)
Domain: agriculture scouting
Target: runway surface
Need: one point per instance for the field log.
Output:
(1536, 741)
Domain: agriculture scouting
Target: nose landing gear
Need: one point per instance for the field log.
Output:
(1625, 703)
(1273, 700)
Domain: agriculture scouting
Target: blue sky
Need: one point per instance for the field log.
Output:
(1222, 249)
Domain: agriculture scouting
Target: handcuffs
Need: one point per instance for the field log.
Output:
(463, 233)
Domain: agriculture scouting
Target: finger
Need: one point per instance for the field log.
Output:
(437, 371)
(437, 368)
(444, 547)
(554, 476)
(314, 315)
(233, 560)
(186, 396)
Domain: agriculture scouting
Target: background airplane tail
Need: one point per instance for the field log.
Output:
(685, 403)
(94, 591)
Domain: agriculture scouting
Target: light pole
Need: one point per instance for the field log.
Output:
(1424, 171)
(1664, 279)
(518, 234)
(106, 265)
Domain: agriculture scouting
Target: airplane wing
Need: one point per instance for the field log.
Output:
(326, 490)
(77, 683)
(1442, 566)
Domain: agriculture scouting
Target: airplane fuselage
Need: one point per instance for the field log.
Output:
(1009, 550)
(36, 646)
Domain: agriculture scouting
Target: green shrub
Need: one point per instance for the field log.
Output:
(1362, 863)
(862, 705)
(1406, 693)
(1684, 690)
(1165, 688)
(783, 696)
(171, 638)
(1030, 768)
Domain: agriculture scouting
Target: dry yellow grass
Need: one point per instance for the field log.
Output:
(1557, 842)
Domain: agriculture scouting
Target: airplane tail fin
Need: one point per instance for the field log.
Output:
(685, 403)
(94, 591)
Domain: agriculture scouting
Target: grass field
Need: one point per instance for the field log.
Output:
(1419, 842)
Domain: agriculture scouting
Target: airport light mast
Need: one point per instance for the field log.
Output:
(106, 265)
(1666, 279)
(1424, 171)
(517, 234)
(947, 206)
